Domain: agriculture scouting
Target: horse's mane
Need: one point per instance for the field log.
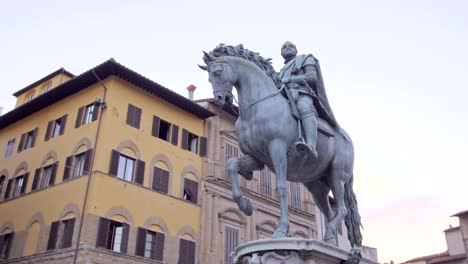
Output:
(241, 52)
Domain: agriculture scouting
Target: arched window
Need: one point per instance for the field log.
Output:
(79, 163)
(45, 176)
(32, 239)
(126, 166)
(161, 175)
(190, 191)
(6, 241)
(17, 186)
(61, 232)
(113, 233)
(2, 182)
(150, 242)
(186, 250)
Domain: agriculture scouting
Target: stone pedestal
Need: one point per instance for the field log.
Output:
(291, 251)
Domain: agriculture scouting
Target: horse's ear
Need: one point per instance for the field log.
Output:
(208, 57)
(203, 67)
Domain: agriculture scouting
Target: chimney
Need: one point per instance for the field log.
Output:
(1, 110)
(191, 90)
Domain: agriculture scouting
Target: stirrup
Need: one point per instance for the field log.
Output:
(301, 146)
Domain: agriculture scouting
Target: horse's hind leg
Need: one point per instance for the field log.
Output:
(278, 150)
(244, 165)
(320, 191)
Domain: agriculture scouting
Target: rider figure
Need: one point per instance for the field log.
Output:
(302, 76)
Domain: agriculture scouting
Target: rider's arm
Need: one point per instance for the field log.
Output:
(309, 76)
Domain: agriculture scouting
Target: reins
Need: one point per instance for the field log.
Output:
(267, 97)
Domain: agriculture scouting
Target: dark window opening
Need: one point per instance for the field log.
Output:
(5, 245)
(57, 127)
(164, 130)
(193, 143)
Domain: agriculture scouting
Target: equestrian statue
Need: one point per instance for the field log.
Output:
(285, 123)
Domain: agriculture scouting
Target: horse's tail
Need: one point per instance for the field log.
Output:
(352, 219)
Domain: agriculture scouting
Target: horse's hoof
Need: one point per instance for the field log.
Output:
(247, 175)
(279, 233)
(331, 241)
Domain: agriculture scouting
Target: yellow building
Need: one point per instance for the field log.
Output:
(101, 167)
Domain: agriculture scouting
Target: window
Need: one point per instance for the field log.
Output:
(186, 252)
(2, 182)
(265, 183)
(231, 151)
(133, 116)
(55, 128)
(44, 177)
(87, 114)
(16, 186)
(27, 140)
(6, 241)
(190, 190)
(78, 165)
(190, 142)
(61, 234)
(295, 190)
(231, 241)
(46, 88)
(162, 130)
(150, 244)
(113, 235)
(127, 168)
(160, 180)
(9, 148)
(30, 96)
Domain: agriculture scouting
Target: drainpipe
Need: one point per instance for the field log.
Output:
(102, 105)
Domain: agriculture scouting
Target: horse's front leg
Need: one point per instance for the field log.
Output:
(278, 150)
(244, 165)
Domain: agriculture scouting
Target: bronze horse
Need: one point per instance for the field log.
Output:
(266, 130)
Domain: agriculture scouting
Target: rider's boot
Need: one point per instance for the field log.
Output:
(309, 123)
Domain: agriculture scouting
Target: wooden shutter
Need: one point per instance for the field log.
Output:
(125, 231)
(2, 243)
(186, 252)
(194, 190)
(67, 169)
(175, 135)
(48, 130)
(160, 180)
(182, 251)
(137, 117)
(37, 177)
(54, 228)
(114, 163)
(103, 230)
(21, 143)
(8, 189)
(25, 183)
(130, 110)
(155, 129)
(96, 110)
(203, 150)
(68, 233)
(185, 139)
(79, 117)
(164, 181)
(63, 122)
(140, 172)
(53, 174)
(159, 247)
(87, 162)
(34, 137)
(140, 242)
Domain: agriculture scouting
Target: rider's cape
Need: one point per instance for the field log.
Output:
(323, 107)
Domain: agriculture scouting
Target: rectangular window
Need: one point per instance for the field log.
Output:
(265, 183)
(78, 164)
(46, 175)
(190, 190)
(9, 148)
(18, 186)
(125, 169)
(164, 130)
(295, 190)
(88, 115)
(193, 143)
(186, 252)
(231, 241)
(113, 235)
(57, 127)
(2, 182)
(61, 234)
(5, 245)
(133, 116)
(149, 244)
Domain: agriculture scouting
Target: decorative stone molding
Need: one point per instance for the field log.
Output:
(50, 155)
(154, 220)
(232, 215)
(120, 211)
(187, 230)
(71, 207)
(22, 166)
(193, 170)
(129, 144)
(7, 228)
(83, 141)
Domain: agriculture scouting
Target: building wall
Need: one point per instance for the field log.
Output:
(454, 240)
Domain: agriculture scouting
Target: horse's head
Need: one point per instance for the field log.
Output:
(222, 78)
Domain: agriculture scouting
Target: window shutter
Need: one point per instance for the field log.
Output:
(140, 243)
(25, 183)
(137, 117)
(175, 135)
(159, 250)
(67, 169)
(184, 139)
(62, 124)
(186, 252)
(114, 163)
(124, 245)
(79, 117)
(53, 174)
(8, 189)
(164, 181)
(194, 190)
(96, 110)
(68, 233)
(203, 150)
(54, 228)
(20, 146)
(155, 130)
(160, 180)
(103, 230)
(48, 130)
(2, 242)
(87, 162)
(37, 177)
(156, 179)
(182, 252)
(130, 114)
(140, 172)
(34, 137)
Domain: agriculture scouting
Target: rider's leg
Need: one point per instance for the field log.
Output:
(308, 116)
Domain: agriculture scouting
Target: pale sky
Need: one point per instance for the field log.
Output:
(396, 75)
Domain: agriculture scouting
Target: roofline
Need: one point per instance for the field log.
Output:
(91, 77)
(234, 110)
(461, 213)
(428, 257)
(57, 72)
(451, 229)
